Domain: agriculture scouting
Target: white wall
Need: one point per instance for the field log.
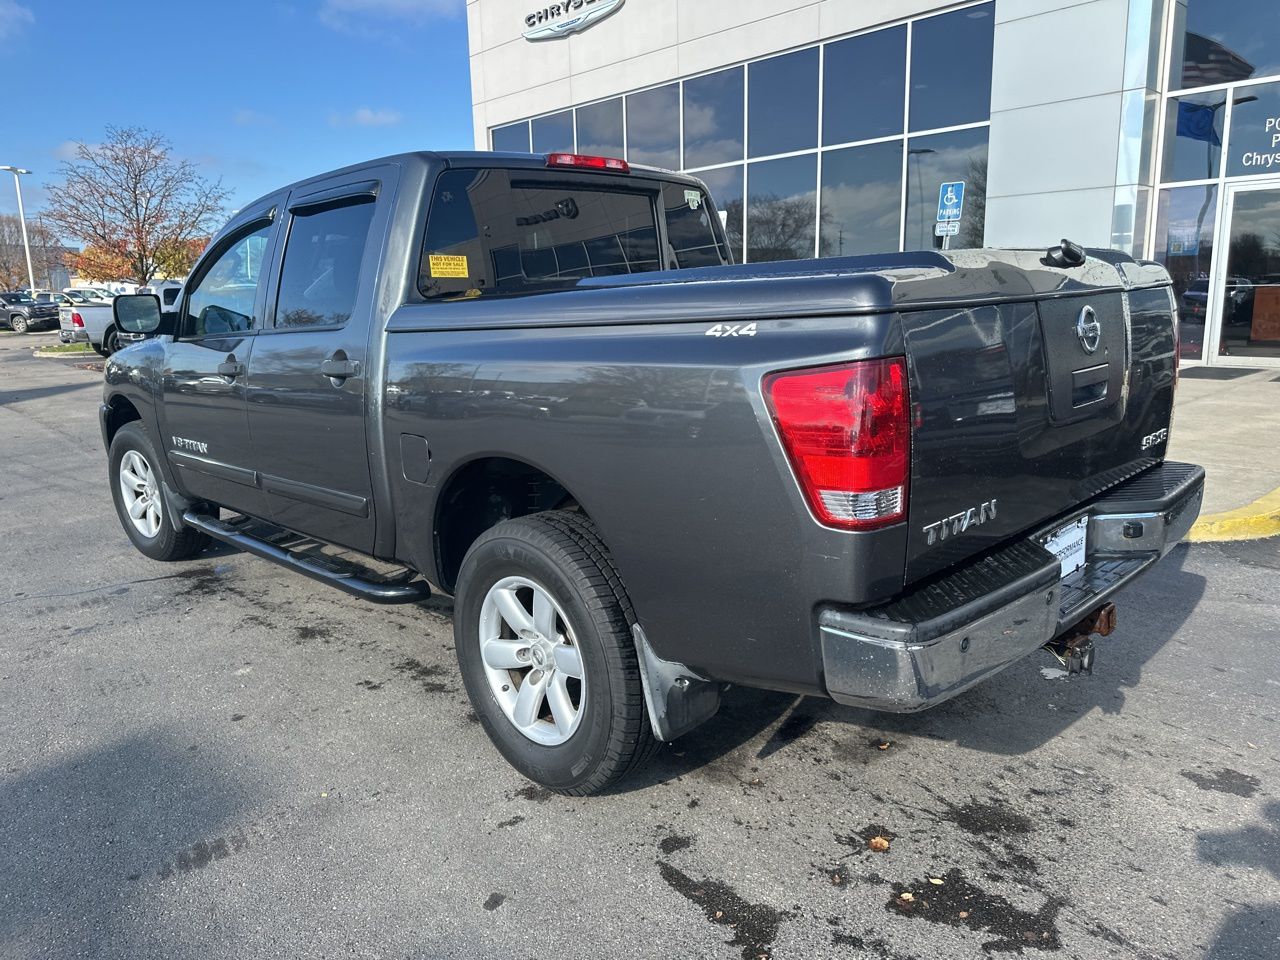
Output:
(647, 42)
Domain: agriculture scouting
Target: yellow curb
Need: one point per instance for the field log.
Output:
(1251, 522)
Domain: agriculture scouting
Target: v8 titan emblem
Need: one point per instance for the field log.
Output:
(182, 443)
(958, 523)
(566, 17)
(1088, 329)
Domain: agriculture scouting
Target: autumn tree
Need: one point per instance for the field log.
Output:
(133, 203)
(46, 253)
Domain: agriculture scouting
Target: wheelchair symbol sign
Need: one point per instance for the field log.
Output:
(950, 201)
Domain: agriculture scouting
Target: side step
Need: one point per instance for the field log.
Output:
(263, 540)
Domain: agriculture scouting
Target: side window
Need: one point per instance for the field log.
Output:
(222, 300)
(322, 265)
(694, 240)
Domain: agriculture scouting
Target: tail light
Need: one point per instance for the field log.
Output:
(583, 162)
(76, 319)
(847, 434)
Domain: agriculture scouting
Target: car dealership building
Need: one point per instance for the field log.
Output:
(844, 127)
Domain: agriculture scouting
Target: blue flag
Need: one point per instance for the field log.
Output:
(1196, 122)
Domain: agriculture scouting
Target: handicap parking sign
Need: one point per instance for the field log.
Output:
(950, 201)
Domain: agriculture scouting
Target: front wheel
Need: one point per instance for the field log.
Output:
(543, 636)
(18, 324)
(135, 488)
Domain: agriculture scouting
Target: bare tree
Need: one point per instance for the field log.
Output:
(133, 202)
(46, 253)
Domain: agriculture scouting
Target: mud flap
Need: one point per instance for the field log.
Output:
(678, 699)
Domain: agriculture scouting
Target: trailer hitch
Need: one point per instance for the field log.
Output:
(1074, 649)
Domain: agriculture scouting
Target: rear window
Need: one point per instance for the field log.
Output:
(507, 231)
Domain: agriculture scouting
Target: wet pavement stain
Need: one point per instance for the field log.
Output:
(424, 674)
(958, 903)
(511, 823)
(534, 793)
(1225, 780)
(368, 685)
(755, 926)
(202, 853)
(988, 819)
(671, 844)
(494, 901)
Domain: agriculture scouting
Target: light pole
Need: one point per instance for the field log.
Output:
(22, 219)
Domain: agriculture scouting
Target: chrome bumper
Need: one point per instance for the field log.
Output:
(935, 643)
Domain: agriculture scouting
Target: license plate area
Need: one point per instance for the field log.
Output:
(1068, 543)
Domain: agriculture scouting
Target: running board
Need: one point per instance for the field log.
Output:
(346, 576)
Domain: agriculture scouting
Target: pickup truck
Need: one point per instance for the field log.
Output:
(94, 324)
(22, 313)
(540, 385)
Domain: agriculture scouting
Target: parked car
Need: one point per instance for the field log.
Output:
(92, 293)
(539, 384)
(21, 313)
(167, 290)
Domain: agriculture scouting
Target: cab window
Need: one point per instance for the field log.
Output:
(222, 301)
(321, 268)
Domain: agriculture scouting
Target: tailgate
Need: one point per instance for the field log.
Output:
(1025, 409)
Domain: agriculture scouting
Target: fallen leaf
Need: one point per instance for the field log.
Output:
(884, 746)
(964, 914)
(719, 914)
(878, 844)
(906, 896)
(936, 881)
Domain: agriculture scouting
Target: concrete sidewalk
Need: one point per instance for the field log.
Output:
(1232, 428)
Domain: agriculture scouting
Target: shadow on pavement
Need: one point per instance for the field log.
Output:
(84, 842)
(1251, 930)
(39, 393)
(1009, 714)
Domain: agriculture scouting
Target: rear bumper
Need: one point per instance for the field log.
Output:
(951, 633)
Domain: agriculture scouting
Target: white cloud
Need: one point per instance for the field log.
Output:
(66, 150)
(251, 118)
(13, 18)
(365, 117)
(366, 16)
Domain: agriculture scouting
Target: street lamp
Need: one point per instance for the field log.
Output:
(22, 219)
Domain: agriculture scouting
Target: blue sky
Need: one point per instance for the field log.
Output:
(256, 93)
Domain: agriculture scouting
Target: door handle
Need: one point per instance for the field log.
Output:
(231, 367)
(338, 367)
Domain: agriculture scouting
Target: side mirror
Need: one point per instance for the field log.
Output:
(136, 313)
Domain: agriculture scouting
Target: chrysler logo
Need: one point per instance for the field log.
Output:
(566, 17)
(1088, 329)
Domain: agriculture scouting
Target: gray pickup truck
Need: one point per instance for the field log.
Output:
(539, 384)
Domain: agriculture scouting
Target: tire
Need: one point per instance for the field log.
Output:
(98, 349)
(110, 342)
(152, 534)
(19, 324)
(609, 735)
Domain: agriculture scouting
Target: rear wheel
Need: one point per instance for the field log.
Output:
(18, 323)
(542, 631)
(135, 488)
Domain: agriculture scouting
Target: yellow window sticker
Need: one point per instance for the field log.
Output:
(448, 266)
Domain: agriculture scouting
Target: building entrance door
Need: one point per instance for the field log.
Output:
(1244, 297)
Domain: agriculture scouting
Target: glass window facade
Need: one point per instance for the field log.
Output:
(513, 138)
(864, 86)
(713, 119)
(783, 104)
(828, 150)
(1224, 41)
(600, 129)
(1185, 223)
(554, 134)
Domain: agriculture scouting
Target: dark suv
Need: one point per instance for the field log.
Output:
(22, 314)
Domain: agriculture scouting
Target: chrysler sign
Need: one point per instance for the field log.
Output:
(566, 17)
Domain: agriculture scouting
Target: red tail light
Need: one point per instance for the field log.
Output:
(77, 320)
(847, 434)
(589, 163)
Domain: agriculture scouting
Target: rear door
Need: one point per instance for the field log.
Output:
(206, 434)
(309, 375)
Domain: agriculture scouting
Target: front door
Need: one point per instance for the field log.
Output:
(206, 436)
(310, 367)
(1244, 299)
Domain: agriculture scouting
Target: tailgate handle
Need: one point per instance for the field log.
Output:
(1089, 385)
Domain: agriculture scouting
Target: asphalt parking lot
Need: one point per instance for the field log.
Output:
(220, 759)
